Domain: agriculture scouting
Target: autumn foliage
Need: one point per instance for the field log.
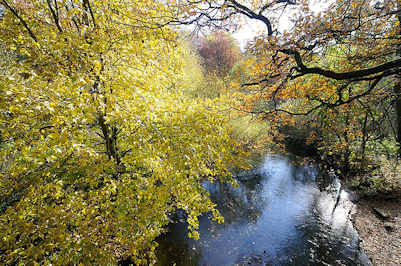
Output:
(99, 145)
(219, 52)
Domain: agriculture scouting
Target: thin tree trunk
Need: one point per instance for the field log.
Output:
(364, 139)
(397, 107)
(397, 92)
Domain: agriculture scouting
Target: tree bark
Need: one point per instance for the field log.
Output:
(397, 92)
(397, 107)
(110, 139)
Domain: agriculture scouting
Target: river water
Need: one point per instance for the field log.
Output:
(284, 215)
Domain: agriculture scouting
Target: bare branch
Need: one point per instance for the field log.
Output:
(23, 22)
(55, 16)
(88, 6)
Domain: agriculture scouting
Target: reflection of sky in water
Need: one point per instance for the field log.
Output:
(282, 218)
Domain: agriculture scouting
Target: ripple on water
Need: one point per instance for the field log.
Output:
(280, 219)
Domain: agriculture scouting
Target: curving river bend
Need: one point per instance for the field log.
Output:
(282, 216)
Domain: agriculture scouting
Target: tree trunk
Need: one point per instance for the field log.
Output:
(397, 107)
(397, 92)
(110, 139)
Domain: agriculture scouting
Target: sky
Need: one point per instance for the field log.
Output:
(252, 27)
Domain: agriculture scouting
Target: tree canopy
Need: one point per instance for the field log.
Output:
(99, 145)
(365, 33)
(219, 52)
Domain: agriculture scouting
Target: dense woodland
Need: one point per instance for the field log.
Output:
(113, 113)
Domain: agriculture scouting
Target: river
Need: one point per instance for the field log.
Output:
(284, 215)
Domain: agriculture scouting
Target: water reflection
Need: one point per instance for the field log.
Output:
(281, 218)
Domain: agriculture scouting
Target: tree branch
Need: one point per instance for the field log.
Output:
(55, 16)
(88, 6)
(303, 69)
(23, 22)
(251, 14)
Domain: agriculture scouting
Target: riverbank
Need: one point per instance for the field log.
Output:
(378, 223)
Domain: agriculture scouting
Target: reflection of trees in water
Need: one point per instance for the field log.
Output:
(320, 236)
(238, 205)
(178, 252)
(325, 238)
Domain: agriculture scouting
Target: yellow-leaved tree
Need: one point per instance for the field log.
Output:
(97, 143)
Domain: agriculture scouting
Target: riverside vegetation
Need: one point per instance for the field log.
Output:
(111, 119)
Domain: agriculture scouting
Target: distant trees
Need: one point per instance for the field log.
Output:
(338, 70)
(209, 62)
(292, 63)
(219, 52)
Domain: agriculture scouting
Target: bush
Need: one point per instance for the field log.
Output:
(384, 180)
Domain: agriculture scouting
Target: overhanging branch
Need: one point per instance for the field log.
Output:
(303, 69)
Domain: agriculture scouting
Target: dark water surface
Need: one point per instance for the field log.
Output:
(280, 217)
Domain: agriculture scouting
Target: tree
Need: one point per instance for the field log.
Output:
(370, 31)
(98, 144)
(219, 52)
